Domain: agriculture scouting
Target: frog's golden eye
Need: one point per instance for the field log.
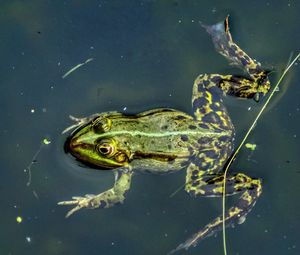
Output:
(105, 149)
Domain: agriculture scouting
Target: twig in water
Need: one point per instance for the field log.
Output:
(33, 160)
(76, 67)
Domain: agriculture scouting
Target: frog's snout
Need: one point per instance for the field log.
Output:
(72, 144)
(67, 145)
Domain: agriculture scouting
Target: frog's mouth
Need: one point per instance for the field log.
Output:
(82, 161)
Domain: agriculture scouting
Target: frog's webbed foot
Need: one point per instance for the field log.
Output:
(79, 122)
(88, 201)
(105, 199)
(224, 44)
(221, 38)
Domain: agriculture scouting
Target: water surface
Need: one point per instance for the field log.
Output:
(146, 54)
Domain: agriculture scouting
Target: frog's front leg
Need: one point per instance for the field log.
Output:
(79, 122)
(198, 183)
(105, 199)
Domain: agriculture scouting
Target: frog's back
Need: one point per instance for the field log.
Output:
(165, 138)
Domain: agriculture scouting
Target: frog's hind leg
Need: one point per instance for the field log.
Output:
(208, 105)
(258, 82)
(200, 184)
(224, 44)
(207, 100)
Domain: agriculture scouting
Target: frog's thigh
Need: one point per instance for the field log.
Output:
(207, 103)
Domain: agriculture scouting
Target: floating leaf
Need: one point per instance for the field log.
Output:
(251, 146)
(19, 219)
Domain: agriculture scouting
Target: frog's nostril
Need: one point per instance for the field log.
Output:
(71, 144)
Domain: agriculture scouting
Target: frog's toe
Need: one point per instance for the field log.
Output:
(178, 248)
(89, 195)
(78, 122)
(66, 130)
(76, 200)
(80, 202)
(71, 202)
(75, 119)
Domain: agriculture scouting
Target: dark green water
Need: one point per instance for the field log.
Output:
(146, 54)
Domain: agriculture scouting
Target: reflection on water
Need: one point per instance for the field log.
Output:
(146, 54)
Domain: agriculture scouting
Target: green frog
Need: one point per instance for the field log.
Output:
(167, 140)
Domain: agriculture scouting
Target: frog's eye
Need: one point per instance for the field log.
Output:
(101, 124)
(105, 149)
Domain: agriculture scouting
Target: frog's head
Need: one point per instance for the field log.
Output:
(93, 144)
